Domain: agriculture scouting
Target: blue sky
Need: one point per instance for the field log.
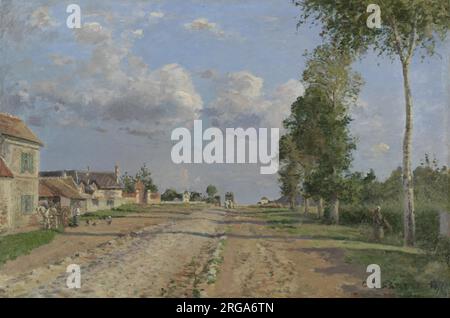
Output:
(114, 90)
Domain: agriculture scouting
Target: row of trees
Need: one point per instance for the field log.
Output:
(408, 28)
(316, 151)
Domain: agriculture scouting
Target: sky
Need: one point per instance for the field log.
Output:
(113, 90)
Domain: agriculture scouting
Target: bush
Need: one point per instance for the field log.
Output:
(443, 250)
(362, 214)
(427, 220)
(427, 228)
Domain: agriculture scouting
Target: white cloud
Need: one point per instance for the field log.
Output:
(280, 104)
(242, 101)
(155, 16)
(139, 33)
(40, 18)
(202, 24)
(115, 85)
(92, 33)
(61, 60)
(380, 149)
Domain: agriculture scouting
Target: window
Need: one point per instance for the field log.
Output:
(95, 202)
(110, 202)
(26, 204)
(26, 163)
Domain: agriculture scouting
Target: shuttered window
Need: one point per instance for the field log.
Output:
(27, 163)
(27, 204)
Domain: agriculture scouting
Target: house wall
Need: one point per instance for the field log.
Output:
(106, 199)
(153, 198)
(108, 194)
(5, 203)
(26, 183)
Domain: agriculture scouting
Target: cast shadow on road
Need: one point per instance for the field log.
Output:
(236, 235)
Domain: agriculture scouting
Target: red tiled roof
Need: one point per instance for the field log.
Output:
(15, 127)
(4, 170)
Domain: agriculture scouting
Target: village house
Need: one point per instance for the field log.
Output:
(101, 190)
(61, 192)
(19, 168)
(264, 201)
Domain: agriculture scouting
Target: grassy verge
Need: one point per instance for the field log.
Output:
(409, 272)
(119, 212)
(14, 245)
(127, 209)
(296, 223)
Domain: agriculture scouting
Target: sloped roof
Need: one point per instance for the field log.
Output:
(103, 180)
(4, 170)
(15, 127)
(59, 187)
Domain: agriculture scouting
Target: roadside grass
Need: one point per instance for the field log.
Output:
(299, 224)
(309, 226)
(14, 245)
(102, 214)
(409, 272)
(127, 209)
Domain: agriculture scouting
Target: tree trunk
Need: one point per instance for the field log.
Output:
(320, 208)
(306, 207)
(292, 202)
(408, 188)
(335, 210)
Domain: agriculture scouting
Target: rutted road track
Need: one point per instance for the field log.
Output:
(158, 261)
(203, 253)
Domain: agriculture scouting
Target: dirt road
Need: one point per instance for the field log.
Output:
(203, 253)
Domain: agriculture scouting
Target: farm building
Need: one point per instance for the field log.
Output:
(19, 168)
(102, 190)
(61, 192)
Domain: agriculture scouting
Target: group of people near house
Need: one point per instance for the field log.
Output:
(54, 217)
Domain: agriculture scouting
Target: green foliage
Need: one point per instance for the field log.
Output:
(171, 195)
(118, 212)
(443, 250)
(211, 190)
(406, 24)
(317, 147)
(195, 196)
(14, 245)
(408, 274)
(128, 183)
(291, 171)
(144, 175)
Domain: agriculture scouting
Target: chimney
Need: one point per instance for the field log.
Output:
(117, 172)
(87, 176)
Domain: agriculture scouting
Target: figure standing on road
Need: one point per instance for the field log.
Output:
(76, 214)
(379, 223)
